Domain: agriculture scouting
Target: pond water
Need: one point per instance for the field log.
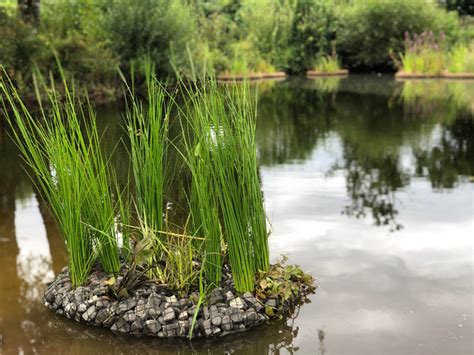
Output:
(368, 184)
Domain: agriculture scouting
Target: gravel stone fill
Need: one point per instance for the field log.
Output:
(149, 311)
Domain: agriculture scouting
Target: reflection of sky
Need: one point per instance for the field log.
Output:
(34, 257)
(381, 292)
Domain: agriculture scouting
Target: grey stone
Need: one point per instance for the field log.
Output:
(183, 303)
(238, 303)
(101, 303)
(102, 316)
(216, 320)
(121, 326)
(233, 310)
(216, 331)
(236, 318)
(153, 302)
(140, 309)
(226, 323)
(70, 310)
(126, 305)
(250, 316)
(171, 330)
(205, 312)
(152, 326)
(249, 298)
(271, 302)
(90, 314)
(168, 314)
(206, 324)
(191, 311)
(216, 296)
(229, 296)
(183, 328)
(129, 317)
(172, 299)
(183, 315)
(136, 327)
(213, 312)
(153, 313)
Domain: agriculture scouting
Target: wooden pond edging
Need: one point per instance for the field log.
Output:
(403, 75)
(252, 76)
(316, 73)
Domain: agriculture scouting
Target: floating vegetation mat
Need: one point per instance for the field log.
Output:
(156, 310)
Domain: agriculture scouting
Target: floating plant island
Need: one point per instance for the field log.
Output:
(155, 310)
(133, 267)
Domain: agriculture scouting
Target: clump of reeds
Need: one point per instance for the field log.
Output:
(226, 197)
(327, 64)
(227, 221)
(424, 53)
(62, 148)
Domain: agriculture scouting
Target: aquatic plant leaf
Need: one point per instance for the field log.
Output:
(111, 281)
(123, 293)
(269, 311)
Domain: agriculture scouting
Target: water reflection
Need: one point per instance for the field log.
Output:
(389, 133)
(28, 246)
(374, 148)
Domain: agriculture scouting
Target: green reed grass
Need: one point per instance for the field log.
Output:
(71, 173)
(327, 64)
(95, 214)
(224, 165)
(148, 128)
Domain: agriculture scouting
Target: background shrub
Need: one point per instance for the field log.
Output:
(267, 24)
(314, 29)
(370, 29)
(161, 29)
(18, 45)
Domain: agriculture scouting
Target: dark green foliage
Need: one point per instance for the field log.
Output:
(371, 29)
(161, 29)
(314, 29)
(18, 45)
(200, 38)
(463, 7)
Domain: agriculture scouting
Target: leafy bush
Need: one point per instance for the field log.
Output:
(64, 17)
(371, 28)
(266, 24)
(162, 29)
(314, 29)
(18, 46)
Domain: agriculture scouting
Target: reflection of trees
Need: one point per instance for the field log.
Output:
(374, 118)
(371, 185)
(451, 158)
(291, 119)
